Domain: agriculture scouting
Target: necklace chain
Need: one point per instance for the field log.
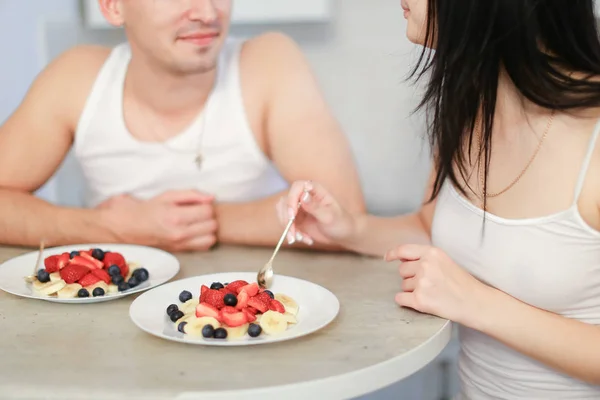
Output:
(484, 194)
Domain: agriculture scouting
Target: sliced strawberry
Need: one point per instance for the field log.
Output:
(251, 289)
(226, 290)
(228, 309)
(276, 305)
(215, 298)
(112, 258)
(73, 272)
(102, 274)
(264, 297)
(242, 301)
(261, 305)
(97, 263)
(63, 260)
(206, 310)
(79, 260)
(235, 286)
(251, 310)
(203, 290)
(234, 319)
(51, 263)
(88, 252)
(88, 280)
(250, 317)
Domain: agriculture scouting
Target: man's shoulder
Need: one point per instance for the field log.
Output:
(270, 47)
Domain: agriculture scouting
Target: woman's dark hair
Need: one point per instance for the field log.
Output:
(538, 43)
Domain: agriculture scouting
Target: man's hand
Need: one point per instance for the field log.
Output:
(174, 220)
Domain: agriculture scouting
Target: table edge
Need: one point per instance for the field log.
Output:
(348, 385)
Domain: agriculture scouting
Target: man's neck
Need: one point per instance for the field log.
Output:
(167, 93)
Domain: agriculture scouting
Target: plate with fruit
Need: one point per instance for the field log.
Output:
(229, 309)
(87, 273)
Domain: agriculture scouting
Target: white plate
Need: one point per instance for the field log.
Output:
(161, 267)
(317, 308)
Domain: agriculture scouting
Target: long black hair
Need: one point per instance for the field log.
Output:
(538, 44)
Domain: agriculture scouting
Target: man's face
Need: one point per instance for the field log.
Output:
(184, 36)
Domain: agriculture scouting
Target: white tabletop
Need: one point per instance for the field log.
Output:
(94, 351)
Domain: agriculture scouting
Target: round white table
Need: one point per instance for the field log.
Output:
(94, 351)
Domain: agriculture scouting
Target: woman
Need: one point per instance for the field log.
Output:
(513, 100)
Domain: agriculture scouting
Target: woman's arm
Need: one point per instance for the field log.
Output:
(568, 345)
(376, 235)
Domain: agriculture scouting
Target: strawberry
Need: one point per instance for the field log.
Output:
(250, 317)
(73, 272)
(102, 274)
(206, 310)
(264, 297)
(79, 260)
(251, 310)
(275, 305)
(215, 298)
(235, 286)
(112, 258)
(63, 260)
(89, 280)
(242, 301)
(234, 319)
(203, 290)
(97, 263)
(228, 309)
(251, 289)
(227, 290)
(261, 305)
(51, 263)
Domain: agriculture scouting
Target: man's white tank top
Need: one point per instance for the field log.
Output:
(234, 168)
(551, 262)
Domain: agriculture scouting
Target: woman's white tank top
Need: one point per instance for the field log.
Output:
(552, 263)
(234, 168)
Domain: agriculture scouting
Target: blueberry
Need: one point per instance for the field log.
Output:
(220, 333)
(175, 315)
(114, 270)
(43, 276)
(230, 300)
(98, 292)
(133, 282)
(270, 294)
(141, 274)
(185, 296)
(217, 285)
(208, 331)
(254, 330)
(83, 292)
(73, 254)
(171, 309)
(181, 326)
(98, 254)
(117, 279)
(123, 286)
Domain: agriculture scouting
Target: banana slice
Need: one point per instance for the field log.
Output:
(69, 291)
(290, 304)
(194, 325)
(112, 288)
(189, 307)
(186, 317)
(237, 332)
(273, 322)
(289, 318)
(50, 288)
(55, 277)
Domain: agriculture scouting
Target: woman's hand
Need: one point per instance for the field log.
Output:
(319, 216)
(434, 284)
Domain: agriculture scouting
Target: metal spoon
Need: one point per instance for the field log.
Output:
(31, 278)
(265, 274)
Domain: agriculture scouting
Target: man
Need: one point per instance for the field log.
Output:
(185, 137)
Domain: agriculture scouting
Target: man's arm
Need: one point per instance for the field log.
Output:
(302, 138)
(33, 144)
